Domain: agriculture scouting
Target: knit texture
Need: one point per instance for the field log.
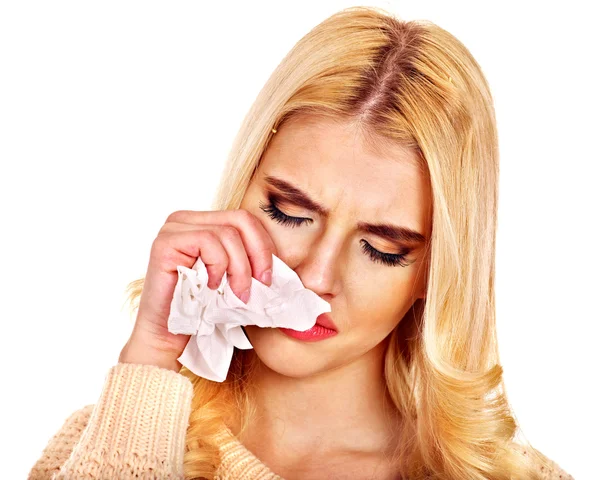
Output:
(137, 429)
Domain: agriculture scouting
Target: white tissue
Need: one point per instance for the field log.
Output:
(214, 318)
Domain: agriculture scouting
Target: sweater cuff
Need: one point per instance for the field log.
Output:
(139, 424)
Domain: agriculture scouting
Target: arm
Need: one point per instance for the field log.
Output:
(137, 426)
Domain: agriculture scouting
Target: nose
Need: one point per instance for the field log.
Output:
(321, 268)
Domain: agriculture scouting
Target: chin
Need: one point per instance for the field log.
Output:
(288, 356)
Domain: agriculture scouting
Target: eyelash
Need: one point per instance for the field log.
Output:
(280, 217)
(390, 259)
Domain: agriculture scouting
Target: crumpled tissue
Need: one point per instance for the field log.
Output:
(214, 318)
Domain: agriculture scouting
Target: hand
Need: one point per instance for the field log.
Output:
(232, 241)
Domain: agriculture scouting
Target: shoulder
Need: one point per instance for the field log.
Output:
(79, 417)
(72, 428)
(61, 444)
(549, 469)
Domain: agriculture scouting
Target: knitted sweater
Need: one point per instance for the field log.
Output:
(137, 429)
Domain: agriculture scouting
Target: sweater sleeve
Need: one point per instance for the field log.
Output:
(137, 429)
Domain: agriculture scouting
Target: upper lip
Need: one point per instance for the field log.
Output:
(325, 320)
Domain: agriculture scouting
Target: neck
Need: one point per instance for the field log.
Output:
(341, 410)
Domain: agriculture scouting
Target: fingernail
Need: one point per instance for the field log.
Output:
(244, 297)
(266, 277)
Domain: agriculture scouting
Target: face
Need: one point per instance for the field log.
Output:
(369, 292)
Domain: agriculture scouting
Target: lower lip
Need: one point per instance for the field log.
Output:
(314, 334)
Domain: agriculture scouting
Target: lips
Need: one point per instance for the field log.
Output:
(325, 321)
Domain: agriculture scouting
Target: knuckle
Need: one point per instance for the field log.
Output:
(215, 273)
(264, 250)
(241, 272)
(218, 268)
(250, 220)
(246, 216)
(207, 236)
(165, 228)
(229, 233)
(168, 255)
(162, 250)
(175, 216)
(159, 243)
(263, 257)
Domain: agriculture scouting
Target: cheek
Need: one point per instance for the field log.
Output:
(380, 301)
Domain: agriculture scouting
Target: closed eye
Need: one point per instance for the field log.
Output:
(390, 259)
(280, 217)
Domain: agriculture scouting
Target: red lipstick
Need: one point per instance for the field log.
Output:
(324, 328)
(325, 320)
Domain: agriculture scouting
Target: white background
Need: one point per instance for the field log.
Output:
(115, 114)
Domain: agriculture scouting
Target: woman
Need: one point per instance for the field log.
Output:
(369, 164)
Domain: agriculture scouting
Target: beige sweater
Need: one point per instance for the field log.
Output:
(137, 430)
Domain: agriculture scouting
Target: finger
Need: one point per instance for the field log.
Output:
(208, 242)
(183, 247)
(258, 243)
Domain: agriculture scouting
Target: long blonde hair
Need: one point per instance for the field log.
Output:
(413, 83)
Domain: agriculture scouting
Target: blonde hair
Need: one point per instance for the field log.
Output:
(413, 83)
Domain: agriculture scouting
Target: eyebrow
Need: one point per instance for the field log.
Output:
(388, 231)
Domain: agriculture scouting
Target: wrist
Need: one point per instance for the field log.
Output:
(144, 355)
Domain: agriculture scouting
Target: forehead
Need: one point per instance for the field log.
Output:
(314, 139)
(334, 163)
